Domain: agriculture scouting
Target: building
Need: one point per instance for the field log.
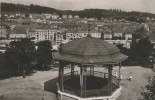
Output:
(74, 34)
(107, 36)
(126, 40)
(16, 36)
(57, 21)
(45, 34)
(35, 16)
(42, 33)
(64, 16)
(76, 17)
(152, 38)
(60, 37)
(128, 36)
(70, 16)
(47, 16)
(17, 33)
(3, 32)
(118, 33)
(31, 34)
(2, 48)
(54, 16)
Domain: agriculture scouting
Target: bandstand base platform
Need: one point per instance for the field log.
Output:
(67, 96)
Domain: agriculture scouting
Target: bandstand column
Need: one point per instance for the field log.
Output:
(81, 80)
(72, 70)
(84, 77)
(119, 74)
(92, 70)
(61, 72)
(109, 79)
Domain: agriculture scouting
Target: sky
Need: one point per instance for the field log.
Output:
(125, 5)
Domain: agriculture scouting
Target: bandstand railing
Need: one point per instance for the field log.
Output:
(90, 93)
(72, 90)
(104, 75)
(75, 73)
(96, 92)
(98, 74)
(115, 80)
(115, 83)
(68, 75)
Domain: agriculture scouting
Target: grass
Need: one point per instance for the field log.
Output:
(131, 90)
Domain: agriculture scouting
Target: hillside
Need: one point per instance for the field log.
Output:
(89, 13)
(9, 7)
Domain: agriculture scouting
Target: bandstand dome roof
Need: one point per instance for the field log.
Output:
(89, 50)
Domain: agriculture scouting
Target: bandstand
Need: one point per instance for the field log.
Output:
(88, 53)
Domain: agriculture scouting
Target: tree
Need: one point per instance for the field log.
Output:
(19, 57)
(4, 73)
(149, 90)
(44, 54)
(1, 60)
(120, 46)
(141, 50)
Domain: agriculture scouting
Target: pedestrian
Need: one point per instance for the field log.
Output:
(130, 76)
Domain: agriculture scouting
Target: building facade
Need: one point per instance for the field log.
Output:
(16, 36)
(3, 32)
(75, 34)
(41, 34)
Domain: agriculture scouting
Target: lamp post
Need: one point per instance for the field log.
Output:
(17, 60)
(24, 65)
(36, 48)
(1, 29)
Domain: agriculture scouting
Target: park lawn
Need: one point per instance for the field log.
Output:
(32, 87)
(131, 90)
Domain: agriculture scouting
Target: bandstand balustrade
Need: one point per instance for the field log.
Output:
(93, 92)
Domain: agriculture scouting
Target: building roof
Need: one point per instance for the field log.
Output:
(32, 30)
(72, 31)
(89, 50)
(19, 30)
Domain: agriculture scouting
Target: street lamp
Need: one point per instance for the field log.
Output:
(36, 48)
(24, 66)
